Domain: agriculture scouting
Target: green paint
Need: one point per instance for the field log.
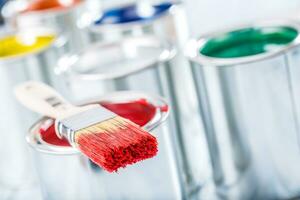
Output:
(248, 42)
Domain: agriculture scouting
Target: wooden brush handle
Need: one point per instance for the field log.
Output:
(44, 100)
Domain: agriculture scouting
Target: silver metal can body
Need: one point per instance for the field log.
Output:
(135, 63)
(66, 174)
(249, 104)
(16, 175)
(62, 171)
(168, 22)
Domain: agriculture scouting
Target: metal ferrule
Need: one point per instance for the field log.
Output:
(68, 127)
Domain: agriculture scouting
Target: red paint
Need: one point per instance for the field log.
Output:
(115, 149)
(47, 132)
(164, 108)
(139, 112)
(39, 5)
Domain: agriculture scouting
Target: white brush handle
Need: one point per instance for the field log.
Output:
(44, 100)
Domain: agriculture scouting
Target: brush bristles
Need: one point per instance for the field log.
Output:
(116, 143)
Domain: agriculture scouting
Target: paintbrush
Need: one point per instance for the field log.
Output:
(106, 138)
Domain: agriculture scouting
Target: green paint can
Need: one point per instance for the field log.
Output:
(248, 86)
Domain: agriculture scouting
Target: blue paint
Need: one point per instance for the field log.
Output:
(131, 13)
(2, 2)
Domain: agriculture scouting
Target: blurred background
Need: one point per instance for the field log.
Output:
(231, 12)
(217, 82)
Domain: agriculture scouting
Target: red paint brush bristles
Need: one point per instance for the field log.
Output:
(115, 143)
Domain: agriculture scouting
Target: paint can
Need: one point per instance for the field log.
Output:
(167, 21)
(113, 66)
(25, 55)
(66, 174)
(142, 63)
(247, 80)
(63, 16)
(35, 51)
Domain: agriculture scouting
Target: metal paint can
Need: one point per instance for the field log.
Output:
(167, 21)
(66, 174)
(25, 55)
(143, 63)
(64, 16)
(248, 88)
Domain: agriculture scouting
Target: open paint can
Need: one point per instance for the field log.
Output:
(145, 64)
(131, 63)
(60, 15)
(248, 88)
(33, 53)
(25, 55)
(66, 174)
(164, 19)
(167, 21)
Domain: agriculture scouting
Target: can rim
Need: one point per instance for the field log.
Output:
(192, 48)
(94, 28)
(66, 63)
(36, 142)
(59, 41)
